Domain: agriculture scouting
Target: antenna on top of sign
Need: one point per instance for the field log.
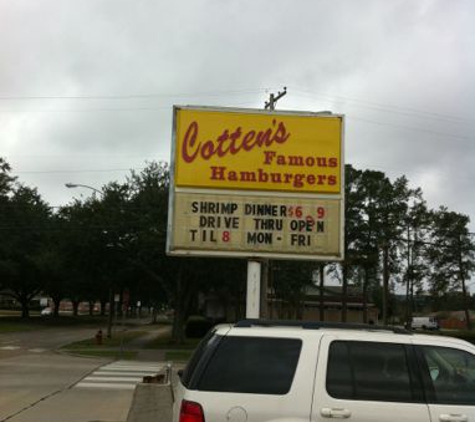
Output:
(270, 105)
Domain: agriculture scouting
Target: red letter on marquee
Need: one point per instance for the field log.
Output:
(189, 142)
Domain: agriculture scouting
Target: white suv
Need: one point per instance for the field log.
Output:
(256, 371)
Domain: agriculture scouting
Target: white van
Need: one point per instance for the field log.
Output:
(425, 323)
(302, 371)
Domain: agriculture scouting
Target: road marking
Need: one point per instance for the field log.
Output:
(120, 375)
(132, 368)
(37, 350)
(10, 348)
(115, 379)
(106, 385)
(130, 374)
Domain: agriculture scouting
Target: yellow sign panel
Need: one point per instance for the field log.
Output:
(304, 228)
(230, 149)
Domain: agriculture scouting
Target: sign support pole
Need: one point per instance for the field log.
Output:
(253, 291)
(265, 266)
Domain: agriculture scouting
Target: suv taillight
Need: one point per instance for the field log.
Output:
(191, 412)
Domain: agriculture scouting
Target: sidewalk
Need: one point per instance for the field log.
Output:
(152, 402)
(136, 347)
(139, 345)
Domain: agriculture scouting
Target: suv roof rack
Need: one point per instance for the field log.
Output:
(315, 325)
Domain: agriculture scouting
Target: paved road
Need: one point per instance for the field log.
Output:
(59, 388)
(30, 380)
(38, 384)
(39, 341)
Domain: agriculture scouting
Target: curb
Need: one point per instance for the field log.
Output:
(151, 403)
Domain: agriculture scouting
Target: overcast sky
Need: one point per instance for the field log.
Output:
(87, 87)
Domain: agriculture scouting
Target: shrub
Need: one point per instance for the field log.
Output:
(197, 328)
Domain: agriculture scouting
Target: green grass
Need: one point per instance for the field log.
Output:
(9, 323)
(118, 338)
(12, 327)
(114, 354)
(164, 342)
(178, 355)
(12, 313)
(174, 351)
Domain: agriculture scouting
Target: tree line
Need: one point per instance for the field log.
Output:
(112, 242)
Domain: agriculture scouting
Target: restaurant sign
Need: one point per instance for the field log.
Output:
(256, 184)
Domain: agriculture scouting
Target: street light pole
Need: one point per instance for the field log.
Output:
(111, 290)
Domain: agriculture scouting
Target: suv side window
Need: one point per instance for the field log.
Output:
(259, 365)
(449, 375)
(369, 371)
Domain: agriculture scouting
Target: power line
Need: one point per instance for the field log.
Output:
(109, 109)
(410, 172)
(78, 171)
(397, 109)
(131, 96)
(432, 132)
(385, 107)
(89, 110)
(298, 92)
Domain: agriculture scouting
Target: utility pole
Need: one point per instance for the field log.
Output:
(270, 105)
(466, 297)
(266, 263)
(408, 281)
(385, 282)
(321, 285)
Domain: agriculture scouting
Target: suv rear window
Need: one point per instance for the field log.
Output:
(199, 358)
(254, 365)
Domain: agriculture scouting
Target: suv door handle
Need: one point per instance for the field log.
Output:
(335, 413)
(453, 418)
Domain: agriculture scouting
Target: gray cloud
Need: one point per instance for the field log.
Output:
(402, 72)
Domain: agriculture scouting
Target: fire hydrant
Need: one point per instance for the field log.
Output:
(99, 337)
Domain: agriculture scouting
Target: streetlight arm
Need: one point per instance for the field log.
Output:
(79, 185)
